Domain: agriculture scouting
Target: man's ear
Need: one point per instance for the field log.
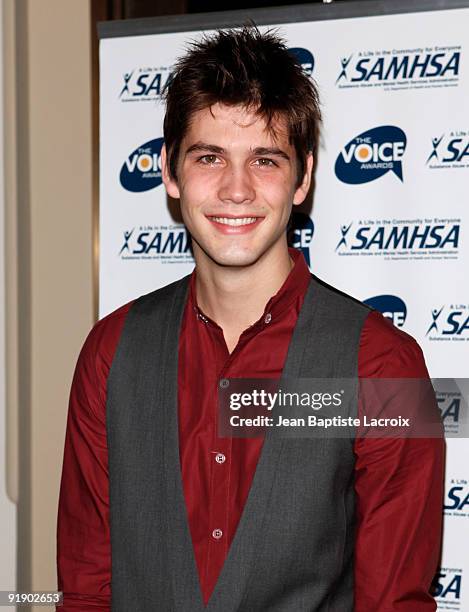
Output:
(169, 182)
(302, 191)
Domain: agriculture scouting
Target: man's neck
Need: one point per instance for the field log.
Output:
(235, 298)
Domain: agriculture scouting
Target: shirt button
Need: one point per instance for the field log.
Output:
(217, 533)
(268, 318)
(224, 382)
(220, 458)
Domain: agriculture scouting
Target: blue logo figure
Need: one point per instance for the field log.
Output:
(343, 241)
(390, 306)
(345, 61)
(435, 314)
(125, 89)
(141, 171)
(435, 143)
(304, 57)
(371, 155)
(125, 246)
(301, 235)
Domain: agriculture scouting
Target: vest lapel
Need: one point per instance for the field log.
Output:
(186, 585)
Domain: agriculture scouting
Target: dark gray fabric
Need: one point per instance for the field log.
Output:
(293, 549)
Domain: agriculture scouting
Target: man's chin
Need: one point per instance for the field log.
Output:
(234, 259)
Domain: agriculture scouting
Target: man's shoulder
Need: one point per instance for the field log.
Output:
(384, 347)
(389, 351)
(116, 318)
(161, 298)
(104, 336)
(112, 320)
(335, 303)
(101, 342)
(390, 335)
(375, 323)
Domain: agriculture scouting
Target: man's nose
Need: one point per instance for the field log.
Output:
(236, 186)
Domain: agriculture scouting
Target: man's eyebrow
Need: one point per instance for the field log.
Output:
(203, 146)
(271, 151)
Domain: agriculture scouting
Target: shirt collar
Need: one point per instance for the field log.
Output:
(294, 286)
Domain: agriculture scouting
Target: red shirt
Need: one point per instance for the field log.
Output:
(398, 482)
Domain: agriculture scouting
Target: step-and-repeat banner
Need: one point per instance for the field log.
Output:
(390, 218)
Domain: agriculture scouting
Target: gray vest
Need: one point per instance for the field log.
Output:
(293, 548)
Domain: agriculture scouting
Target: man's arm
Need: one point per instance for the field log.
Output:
(83, 538)
(399, 487)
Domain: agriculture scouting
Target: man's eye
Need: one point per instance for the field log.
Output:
(208, 159)
(265, 161)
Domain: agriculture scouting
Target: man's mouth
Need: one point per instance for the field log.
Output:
(235, 221)
(231, 225)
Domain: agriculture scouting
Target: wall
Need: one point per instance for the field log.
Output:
(49, 258)
(7, 507)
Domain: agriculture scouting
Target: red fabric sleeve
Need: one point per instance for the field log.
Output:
(399, 487)
(83, 540)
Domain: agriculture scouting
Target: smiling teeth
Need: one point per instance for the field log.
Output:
(241, 221)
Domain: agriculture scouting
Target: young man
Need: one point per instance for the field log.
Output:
(157, 512)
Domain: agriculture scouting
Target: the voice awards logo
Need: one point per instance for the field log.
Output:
(301, 233)
(166, 243)
(141, 171)
(390, 306)
(450, 323)
(371, 154)
(144, 84)
(304, 57)
(447, 588)
(449, 151)
(400, 239)
(457, 498)
(394, 69)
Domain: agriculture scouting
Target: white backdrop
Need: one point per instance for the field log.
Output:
(390, 216)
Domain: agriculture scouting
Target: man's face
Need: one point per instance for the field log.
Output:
(236, 182)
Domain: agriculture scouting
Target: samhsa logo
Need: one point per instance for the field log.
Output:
(304, 57)
(451, 151)
(447, 588)
(168, 244)
(301, 233)
(457, 498)
(452, 399)
(141, 171)
(390, 306)
(400, 69)
(449, 323)
(372, 154)
(145, 84)
(395, 239)
(449, 403)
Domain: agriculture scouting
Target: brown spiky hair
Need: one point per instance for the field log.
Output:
(243, 67)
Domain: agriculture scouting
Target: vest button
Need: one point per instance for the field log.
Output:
(217, 534)
(224, 383)
(268, 318)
